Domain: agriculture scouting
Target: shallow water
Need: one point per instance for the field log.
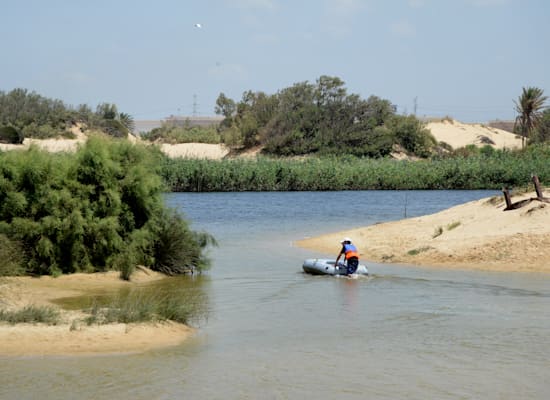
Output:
(273, 332)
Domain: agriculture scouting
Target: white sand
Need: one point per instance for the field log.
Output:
(458, 134)
(195, 150)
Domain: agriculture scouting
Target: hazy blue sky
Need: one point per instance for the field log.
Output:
(465, 58)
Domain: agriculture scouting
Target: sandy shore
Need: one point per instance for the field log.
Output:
(476, 235)
(72, 337)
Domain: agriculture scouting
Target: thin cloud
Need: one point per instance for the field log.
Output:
(403, 29)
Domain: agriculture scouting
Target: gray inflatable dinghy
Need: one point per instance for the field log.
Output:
(319, 266)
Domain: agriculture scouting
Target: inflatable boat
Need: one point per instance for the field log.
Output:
(318, 266)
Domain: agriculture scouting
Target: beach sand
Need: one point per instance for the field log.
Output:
(477, 235)
(72, 336)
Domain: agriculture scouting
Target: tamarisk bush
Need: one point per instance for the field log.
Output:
(92, 211)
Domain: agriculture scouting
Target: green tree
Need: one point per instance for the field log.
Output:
(528, 107)
(225, 106)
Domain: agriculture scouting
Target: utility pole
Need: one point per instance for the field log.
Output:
(195, 105)
(415, 105)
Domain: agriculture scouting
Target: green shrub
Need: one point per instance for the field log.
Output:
(90, 211)
(177, 249)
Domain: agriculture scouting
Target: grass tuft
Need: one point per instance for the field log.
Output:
(142, 305)
(419, 250)
(31, 314)
(453, 225)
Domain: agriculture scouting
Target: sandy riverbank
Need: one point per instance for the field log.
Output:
(476, 235)
(72, 337)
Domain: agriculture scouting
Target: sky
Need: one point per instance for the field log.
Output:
(468, 59)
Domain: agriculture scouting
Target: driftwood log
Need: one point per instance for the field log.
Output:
(522, 203)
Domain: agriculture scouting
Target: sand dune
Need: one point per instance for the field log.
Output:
(458, 134)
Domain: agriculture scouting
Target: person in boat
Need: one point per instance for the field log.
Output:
(351, 256)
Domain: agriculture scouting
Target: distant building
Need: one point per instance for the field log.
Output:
(148, 125)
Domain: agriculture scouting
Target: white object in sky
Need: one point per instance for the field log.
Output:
(198, 26)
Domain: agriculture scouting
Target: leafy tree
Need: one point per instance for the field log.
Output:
(226, 107)
(528, 107)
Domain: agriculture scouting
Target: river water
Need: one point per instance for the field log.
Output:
(273, 332)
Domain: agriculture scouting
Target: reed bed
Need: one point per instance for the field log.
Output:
(493, 171)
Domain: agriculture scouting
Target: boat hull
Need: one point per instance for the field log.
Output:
(319, 266)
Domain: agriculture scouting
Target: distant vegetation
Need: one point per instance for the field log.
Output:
(95, 210)
(322, 119)
(172, 133)
(26, 114)
(469, 168)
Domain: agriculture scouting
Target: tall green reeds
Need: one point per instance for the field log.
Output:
(482, 171)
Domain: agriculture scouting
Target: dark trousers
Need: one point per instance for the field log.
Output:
(352, 264)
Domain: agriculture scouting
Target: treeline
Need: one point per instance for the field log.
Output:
(27, 114)
(320, 118)
(96, 210)
(480, 169)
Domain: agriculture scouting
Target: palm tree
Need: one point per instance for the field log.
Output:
(528, 107)
(128, 121)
